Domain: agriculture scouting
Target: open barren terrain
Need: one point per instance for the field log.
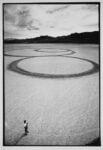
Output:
(55, 87)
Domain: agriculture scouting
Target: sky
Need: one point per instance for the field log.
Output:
(34, 20)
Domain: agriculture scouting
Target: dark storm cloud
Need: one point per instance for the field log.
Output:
(58, 9)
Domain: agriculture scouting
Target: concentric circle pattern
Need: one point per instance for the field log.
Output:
(50, 63)
(38, 52)
(58, 88)
(54, 67)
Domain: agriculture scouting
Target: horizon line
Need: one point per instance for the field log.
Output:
(48, 36)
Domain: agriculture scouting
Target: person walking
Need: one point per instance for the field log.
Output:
(26, 127)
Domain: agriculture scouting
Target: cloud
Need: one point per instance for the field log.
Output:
(10, 34)
(31, 20)
(91, 27)
(52, 26)
(57, 9)
(24, 19)
(30, 27)
(91, 7)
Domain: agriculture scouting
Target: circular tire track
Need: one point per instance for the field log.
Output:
(14, 67)
(52, 51)
(56, 53)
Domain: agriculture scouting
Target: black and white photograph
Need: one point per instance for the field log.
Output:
(51, 67)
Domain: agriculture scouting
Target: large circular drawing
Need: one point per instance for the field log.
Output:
(54, 67)
(52, 50)
(38, 52)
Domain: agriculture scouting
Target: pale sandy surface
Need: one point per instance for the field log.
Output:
(59, 111)
(55, 65)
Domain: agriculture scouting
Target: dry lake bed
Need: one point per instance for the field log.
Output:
(55, 87)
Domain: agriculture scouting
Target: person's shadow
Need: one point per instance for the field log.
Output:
(19, 138)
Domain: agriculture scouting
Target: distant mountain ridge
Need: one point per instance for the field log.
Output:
(85, 37)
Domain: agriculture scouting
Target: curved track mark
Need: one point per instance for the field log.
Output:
(14, 67)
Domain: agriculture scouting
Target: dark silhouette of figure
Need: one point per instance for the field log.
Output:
(26, 127)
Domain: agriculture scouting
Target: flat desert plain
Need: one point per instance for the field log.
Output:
(55, 87)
